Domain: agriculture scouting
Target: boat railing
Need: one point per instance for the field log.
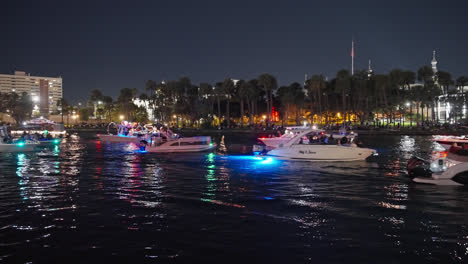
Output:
(109, 125)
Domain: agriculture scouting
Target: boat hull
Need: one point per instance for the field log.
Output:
(170, 149)
(114, 138)
(16, 148)
(322, 153)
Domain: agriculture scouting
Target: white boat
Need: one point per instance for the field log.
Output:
(127, 133)
(297, 149)
(8, 145)
(447, 141)
(188, 144)
(444, 168)
(41, 126)
(291, 132)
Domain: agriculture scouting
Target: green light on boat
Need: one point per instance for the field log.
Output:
(20, 144)
(211, 144)
(56, 141)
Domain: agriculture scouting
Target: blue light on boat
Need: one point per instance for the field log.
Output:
(267, 161)
(268, 198)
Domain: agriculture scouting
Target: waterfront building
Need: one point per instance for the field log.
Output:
(44, 91)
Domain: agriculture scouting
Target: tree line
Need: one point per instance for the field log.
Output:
(364, 97)
(396, 97)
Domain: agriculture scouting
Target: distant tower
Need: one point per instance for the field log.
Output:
(434, 62)
(369, 70)
(352, 57)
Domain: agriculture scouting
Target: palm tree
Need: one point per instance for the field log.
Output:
(228, 88)
(63, 104)
(252, 94)
(208, 95)
(315, 87)
(286, 98)
(218, 91)
(269, 84)
(108, 105)
(241, 93)
(342, 86)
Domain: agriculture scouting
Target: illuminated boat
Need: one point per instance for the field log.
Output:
(126, 132)
(444, 168)
(7, 144)
(188, 144)
(45, 131)
(300, 149)
(447, 141)
(41, 126)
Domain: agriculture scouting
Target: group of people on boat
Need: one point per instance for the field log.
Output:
(323, 139)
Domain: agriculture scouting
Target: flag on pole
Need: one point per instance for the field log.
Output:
(352, 48)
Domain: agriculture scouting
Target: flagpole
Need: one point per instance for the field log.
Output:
(352, 57)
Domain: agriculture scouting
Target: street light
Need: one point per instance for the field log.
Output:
(408, 104)
(121, 117)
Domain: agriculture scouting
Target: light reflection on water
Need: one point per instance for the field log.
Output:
(93, 199)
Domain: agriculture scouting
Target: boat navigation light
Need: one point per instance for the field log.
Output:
(20, 144)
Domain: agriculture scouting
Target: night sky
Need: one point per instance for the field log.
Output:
(114, 45)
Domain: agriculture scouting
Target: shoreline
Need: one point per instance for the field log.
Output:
(370, 132)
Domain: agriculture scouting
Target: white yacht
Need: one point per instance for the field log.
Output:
(8, 145)
(291, 132)
(301, 148)
(444, 168)
(188, 144)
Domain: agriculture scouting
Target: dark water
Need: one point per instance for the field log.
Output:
(89, 202)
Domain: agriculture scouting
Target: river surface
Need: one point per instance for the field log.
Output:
(89, 201)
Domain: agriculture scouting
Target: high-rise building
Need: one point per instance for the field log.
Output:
(434, 62)
(44, 91)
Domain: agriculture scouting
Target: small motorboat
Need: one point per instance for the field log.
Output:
(307, 146)
(446, 167)
(41, 126)
(447, 141)
(188, 144)
(7, 144)
(128, 132)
